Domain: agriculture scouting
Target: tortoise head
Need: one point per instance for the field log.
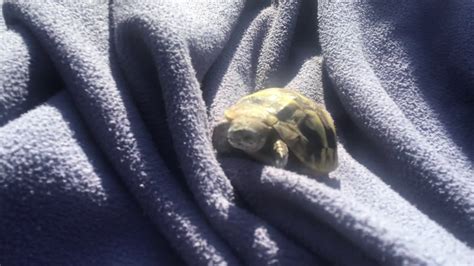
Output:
(248, 134)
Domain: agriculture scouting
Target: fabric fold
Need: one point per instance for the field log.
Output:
(378, 88)
(112, 119)
(251, 238)
(107, 110)
(28, 75)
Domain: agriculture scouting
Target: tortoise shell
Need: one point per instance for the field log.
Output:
(303, 125)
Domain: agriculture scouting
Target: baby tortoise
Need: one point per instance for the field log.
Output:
(271, 123)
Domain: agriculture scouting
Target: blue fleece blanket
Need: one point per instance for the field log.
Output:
(107, 108)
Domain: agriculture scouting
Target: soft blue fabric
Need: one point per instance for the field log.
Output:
(107, 108)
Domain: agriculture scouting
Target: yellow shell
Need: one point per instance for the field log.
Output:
(303, 125)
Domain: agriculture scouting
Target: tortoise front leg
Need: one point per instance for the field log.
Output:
(275, 154)
(280, 151)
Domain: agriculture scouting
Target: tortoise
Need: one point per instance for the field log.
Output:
(273, 123)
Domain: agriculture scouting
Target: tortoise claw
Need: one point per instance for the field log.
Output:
(281, 154)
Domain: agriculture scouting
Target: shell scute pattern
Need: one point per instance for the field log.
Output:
(273, 123)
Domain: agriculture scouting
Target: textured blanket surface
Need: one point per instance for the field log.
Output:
(107, 108)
